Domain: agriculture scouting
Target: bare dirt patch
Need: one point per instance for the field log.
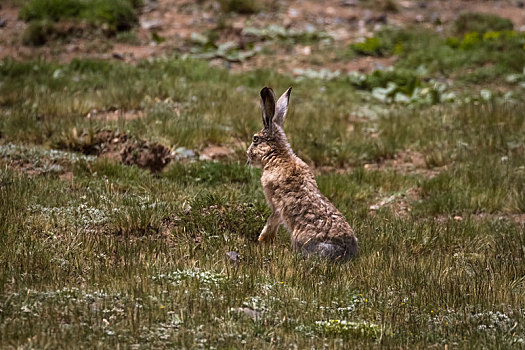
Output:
(123, 148)
(37, 160)
(216, 152)
(406, 162)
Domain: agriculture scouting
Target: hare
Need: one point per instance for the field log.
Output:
(317, 228)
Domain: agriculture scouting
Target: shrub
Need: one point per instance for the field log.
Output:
(481, 23)
(116, 14)
(370, 47)
(54, 10)
(38, 33)
(239, 6)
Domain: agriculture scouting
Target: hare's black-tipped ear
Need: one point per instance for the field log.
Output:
(268, 107)
(282, 107)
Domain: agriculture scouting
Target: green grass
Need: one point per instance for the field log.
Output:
(474, 54)
(96, 253)
(469, 22)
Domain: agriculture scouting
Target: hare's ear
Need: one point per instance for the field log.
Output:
(282, 107)
(268, 107)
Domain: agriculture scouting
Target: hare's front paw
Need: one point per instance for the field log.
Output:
(266, 235)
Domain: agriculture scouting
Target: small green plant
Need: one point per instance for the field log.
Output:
(53, 10)
(349, 328)
(381, 5)
(38, 33)
(239, 6)
(481, 23)
(117, 15)
(373, 46)
(127, 37)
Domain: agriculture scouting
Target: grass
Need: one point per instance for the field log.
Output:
(96, 252)
(477, 50)
(469, 22)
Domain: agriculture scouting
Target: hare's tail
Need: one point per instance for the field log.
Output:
(330, 250)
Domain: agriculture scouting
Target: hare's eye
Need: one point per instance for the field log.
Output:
(255, 139)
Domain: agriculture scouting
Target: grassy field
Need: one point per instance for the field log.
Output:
(98, 254)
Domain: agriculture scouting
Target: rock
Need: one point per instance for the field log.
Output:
(435, 18)
(151, 24)
(293, 13)
(213, 152)
(253, 314)
(3, 23)
(233, 256)
(118, 56)
(183, 152)
(349, 3)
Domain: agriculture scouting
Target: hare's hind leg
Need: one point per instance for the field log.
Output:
(271, 227)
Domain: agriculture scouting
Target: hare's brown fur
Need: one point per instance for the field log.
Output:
(316, 226)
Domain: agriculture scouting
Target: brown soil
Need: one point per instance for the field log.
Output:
(175, 20)
(216, 152)
(406, 162)
(125, 149)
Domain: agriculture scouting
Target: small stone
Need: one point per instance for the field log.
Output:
(307, 50)
(458, 218)
(233, 256)
(349, 3)
(183, 152)
(3, 23)
(213, 152)
(435, 18)
(151, 24)
(118, 56)
(371, 166)
(293, 13)
(253, 314)
(382, 18)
